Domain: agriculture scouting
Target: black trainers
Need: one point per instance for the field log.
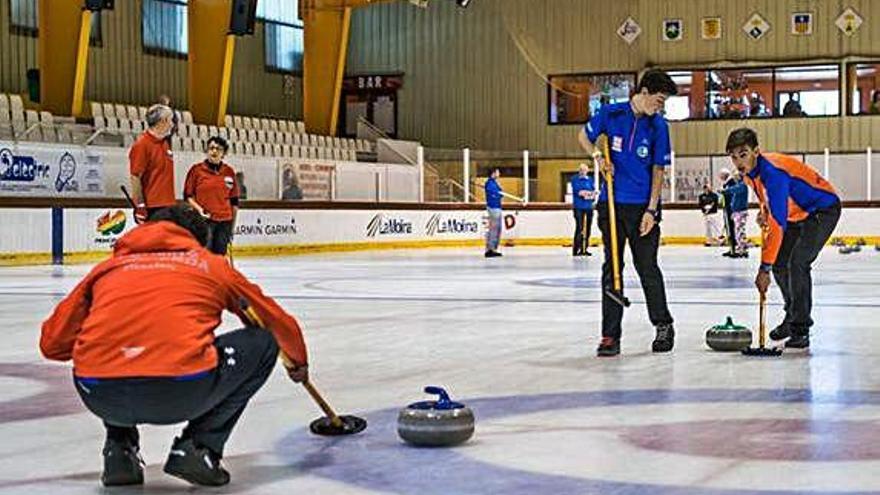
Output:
(492, 254)
(608, 346)
(197, 465)
(122, 464)
(798, 342)
(781, 332)
(665, 339)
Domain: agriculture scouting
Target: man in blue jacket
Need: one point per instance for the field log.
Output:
(638, 142)
(493, 208)
(583, 189)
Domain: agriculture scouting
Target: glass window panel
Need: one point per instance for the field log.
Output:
(164, 26)
(574, 98)
(864, 78)
(284, 47)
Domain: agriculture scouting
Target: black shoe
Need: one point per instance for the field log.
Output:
(782, 332)
(665, 339)
(609, 346)
(197, 465)
(728, 254)
(587, 253)
(798, 342)
(122, 464)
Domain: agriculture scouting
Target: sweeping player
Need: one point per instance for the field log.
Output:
(638, 138)
(799, 210)
(140, 330)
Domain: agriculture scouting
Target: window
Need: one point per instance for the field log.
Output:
(798, 91)
(864, 84)
(163, 27)
(23, 17)
(574, 98)
(24, 20)
(284, 34)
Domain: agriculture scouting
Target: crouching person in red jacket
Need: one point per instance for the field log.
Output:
(140, 330)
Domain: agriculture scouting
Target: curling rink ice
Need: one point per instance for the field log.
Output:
(514, 338)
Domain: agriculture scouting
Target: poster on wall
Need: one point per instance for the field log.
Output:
(710, 28)
(629, 30)
(849, 21)
(305, 181)
(50, 171)
(756, 27)
(673, 29)
(802, 23)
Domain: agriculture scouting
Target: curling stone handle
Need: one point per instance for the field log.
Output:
(444, 397)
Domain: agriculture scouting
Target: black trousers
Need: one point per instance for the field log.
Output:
(219, 236)
(211, 402)
(583, 224)
(644, 254)
(801, 245)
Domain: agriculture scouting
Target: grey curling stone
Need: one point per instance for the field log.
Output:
(729, 337)
(440, 423)
(845, 250)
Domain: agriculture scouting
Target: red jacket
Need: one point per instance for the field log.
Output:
(151, 309)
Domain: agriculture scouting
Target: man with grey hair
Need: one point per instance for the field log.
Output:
(151, 165)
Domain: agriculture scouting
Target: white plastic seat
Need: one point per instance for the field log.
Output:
(186, 117)
(121, 112)
(300, 127)
(237, 122)
(132, 112)
(97, 110)
(228, 121)
(247, 123)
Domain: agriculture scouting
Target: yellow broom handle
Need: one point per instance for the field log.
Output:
(609, 181)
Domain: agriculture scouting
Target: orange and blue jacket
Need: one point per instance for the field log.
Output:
(789, 191)
(151, 310)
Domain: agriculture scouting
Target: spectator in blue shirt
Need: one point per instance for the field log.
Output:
(738, 193)
(638, 142)
(583, 190)
(493, 208)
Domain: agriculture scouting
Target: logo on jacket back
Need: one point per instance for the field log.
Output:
(379, 225)
(438, 225)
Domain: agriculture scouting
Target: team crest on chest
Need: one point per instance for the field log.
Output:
(642, 151)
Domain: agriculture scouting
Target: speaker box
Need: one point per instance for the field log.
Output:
(98, 5)
(244, 15)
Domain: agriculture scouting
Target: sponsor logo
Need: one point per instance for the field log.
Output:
(263, 228)
(379, 225)
(111, 224)
(617, 143)
(66, 169)
(439, 225)
(20, 168)
(228, 181)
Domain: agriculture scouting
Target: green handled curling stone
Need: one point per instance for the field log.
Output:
(440, 423)
(728, 337)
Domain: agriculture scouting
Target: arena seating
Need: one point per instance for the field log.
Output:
(119, 125)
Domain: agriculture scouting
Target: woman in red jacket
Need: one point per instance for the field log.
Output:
(212, 189)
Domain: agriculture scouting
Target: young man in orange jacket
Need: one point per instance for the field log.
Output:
(140, 330)
(799, 211)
